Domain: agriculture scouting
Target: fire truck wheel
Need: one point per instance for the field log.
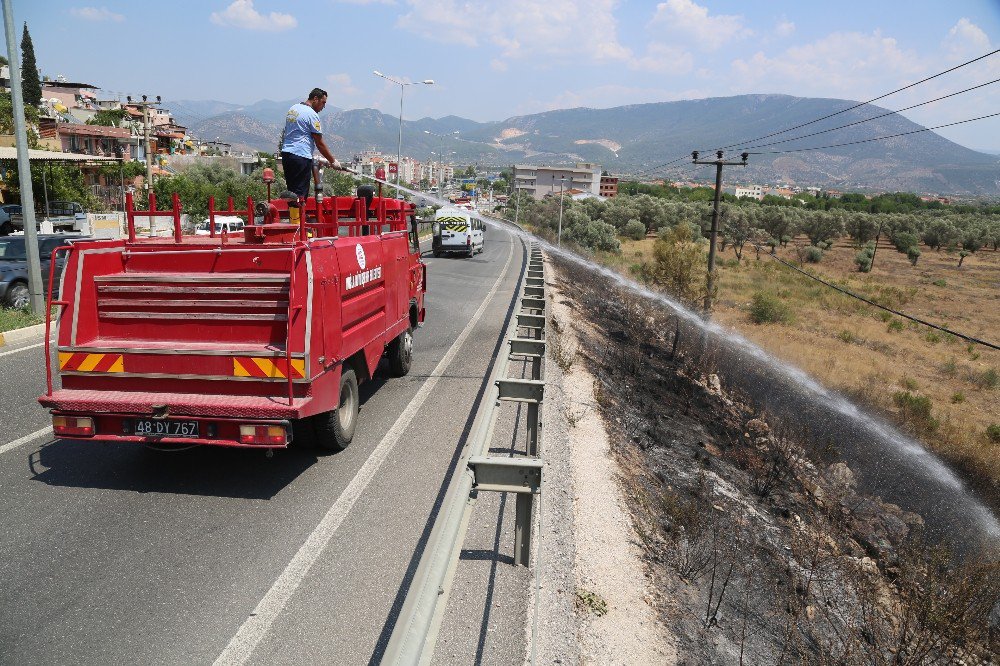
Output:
(335, 429)
(401, 353)
(303, 434)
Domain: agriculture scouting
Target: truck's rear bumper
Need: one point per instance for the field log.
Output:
(174, 404)
(219, 417)
(113, 427)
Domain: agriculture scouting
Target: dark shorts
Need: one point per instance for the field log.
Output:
(298, 173)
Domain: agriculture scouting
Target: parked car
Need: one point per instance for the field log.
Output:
(14, 265)
(6, 226)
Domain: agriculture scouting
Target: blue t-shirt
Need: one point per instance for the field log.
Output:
(301, 122)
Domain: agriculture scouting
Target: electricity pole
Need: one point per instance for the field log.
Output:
(719, 163)
(144, 105)
(37, 300)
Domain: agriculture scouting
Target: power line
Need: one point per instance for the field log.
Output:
(877, 138)
(883, 307)
(867, 120)
(874, 99)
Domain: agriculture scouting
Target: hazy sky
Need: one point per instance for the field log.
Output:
(493, 60)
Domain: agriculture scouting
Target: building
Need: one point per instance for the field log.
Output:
(95, 140)
(609, 186)
(542, 181)
(750, 192)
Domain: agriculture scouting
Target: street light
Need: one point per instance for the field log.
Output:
(402, 86)
(440, 155)
(562, 182)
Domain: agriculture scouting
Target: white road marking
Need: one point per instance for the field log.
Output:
(21, 349)
(241, 646)
(44, 432)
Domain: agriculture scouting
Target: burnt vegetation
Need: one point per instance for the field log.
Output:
(763, 548)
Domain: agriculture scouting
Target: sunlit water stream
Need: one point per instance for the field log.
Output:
(890, 464)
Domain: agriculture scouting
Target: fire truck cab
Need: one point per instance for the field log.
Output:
(245, 340)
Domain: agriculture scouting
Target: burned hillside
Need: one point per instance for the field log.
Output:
(762, 525)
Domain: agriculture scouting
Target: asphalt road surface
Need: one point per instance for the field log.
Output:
(113, 553)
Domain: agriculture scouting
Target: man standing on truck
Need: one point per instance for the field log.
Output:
(301, 136)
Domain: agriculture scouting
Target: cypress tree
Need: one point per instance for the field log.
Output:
(31, 87)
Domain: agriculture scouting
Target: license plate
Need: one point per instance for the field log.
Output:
(162, 428)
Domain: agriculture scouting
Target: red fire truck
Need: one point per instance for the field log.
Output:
(245, 341)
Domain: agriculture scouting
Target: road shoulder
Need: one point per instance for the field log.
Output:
(609, 586)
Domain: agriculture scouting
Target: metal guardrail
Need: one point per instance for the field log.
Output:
(415, 632)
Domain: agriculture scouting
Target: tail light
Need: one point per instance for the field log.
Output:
(263, 434)
(72, 425)
(468, 239)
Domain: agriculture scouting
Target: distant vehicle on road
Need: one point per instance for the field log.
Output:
(14, 266)
(457, 231)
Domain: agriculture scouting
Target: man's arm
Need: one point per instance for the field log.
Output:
(325, 152)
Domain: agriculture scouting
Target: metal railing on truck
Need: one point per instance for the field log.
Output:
(415, 631)
(328, 215)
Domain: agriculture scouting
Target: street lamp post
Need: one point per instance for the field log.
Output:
(440, 155)
(562, 182)
(402, 86)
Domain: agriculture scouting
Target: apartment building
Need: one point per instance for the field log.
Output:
(542, 181)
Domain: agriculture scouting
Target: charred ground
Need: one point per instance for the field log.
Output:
(765, 546)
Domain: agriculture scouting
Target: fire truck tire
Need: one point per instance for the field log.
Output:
(303, 434)
(401, 354)
(335, 429)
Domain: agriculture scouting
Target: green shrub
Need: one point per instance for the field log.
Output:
(993, 433)
(915, 409)
(957, 397)
(634, 229)
(883, 316)
(913, 253)
(767, 309)
(847, 336)
(813, 254)
(909, 383)
(939, 283)
(895, 326)
(932, 338)
(988, 380)
(863, 260)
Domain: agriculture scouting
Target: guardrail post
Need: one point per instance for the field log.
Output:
(512, 475)
(532, 349)
(530, 392)
(534, 323)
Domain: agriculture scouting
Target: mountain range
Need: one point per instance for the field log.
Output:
(639, 139)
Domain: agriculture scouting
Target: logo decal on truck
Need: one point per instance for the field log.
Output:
(360, 252)
(362, 278)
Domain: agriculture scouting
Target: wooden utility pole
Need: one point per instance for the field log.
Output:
(719, 163)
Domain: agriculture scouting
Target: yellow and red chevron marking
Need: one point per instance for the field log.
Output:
(272, 368)
(83, 362)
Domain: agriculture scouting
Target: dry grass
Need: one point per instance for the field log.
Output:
(871, 355)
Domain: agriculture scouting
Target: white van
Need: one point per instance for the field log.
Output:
(457, 231)
(229, 224)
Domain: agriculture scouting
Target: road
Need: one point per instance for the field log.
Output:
(114, 553)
